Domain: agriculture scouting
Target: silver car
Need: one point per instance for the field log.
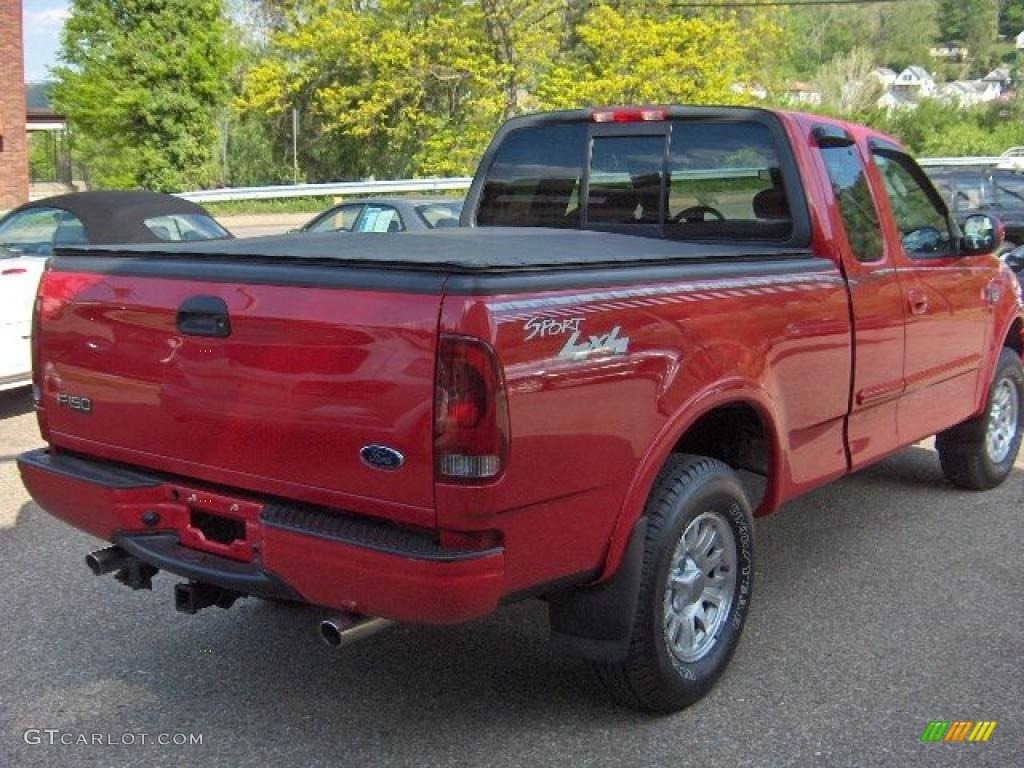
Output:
(388, 214)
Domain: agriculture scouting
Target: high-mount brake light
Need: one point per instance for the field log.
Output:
(628, 114)
(471, 415)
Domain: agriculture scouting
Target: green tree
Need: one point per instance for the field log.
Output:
(1011, 17)
(628, 57)
(975, 24)
(393, 88)
(896, 35)
(142, 83)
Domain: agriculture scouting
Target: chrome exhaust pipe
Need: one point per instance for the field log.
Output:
(346, 628)
(107, 560)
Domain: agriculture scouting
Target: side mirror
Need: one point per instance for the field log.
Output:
(981, 234)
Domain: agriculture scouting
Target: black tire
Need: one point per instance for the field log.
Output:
(966, 459)
(652, 677)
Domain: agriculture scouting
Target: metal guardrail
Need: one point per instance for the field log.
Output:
(957, 162)
(333, 189)
(1012, 158)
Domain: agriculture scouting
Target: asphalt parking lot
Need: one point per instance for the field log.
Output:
(884, 601)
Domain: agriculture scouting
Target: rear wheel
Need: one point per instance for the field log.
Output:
(695, 590)
(980, 453)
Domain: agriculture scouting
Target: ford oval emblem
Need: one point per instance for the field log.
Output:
(381, 457)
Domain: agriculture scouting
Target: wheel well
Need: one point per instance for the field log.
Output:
(735, 434)
(1013, 338)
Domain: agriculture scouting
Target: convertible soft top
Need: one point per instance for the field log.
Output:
(118, 216)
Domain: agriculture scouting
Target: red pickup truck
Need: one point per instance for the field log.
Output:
(572, 396)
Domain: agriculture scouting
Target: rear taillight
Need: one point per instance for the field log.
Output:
(470, 412)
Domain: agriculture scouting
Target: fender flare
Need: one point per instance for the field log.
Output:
(1003, 330)
(735, 392)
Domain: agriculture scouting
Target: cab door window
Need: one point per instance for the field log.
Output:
(917, 209)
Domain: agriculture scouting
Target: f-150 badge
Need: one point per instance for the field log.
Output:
(595, 346)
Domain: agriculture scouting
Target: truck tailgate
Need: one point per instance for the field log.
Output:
(282, 404)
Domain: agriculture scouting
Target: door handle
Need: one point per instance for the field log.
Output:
(204, 316)
(918, 302)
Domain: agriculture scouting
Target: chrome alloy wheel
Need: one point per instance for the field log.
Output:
(701, 586)
(1003, 420)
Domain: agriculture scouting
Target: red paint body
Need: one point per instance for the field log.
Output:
(842, 366)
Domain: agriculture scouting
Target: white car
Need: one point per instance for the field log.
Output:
(19, 278)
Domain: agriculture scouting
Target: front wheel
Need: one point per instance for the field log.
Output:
(696, 583)
(980, 453)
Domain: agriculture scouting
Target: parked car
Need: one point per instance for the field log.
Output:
(19, 279)
(105, 217)
(555, 399)
(997, 192)
(1014, 259)
(388, 214)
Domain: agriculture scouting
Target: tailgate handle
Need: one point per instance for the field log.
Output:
(204, 316)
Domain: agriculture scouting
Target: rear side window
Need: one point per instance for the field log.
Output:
(437, 215)
(70, 231)
(534, 179)
(379, 218)
(1009, 189)
(856, 204)
(176, 227)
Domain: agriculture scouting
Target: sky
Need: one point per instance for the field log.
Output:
(43, 21)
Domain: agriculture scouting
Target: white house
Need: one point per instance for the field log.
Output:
(1000, 76)
(1020, 42)
(759, 92)
(884, 76)
(915, 80)
(969, 93)
(895, 98)
(802, 94)
(949, 52)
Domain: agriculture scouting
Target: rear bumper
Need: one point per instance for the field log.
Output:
(319, 556)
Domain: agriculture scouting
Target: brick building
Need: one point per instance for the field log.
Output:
(13, 139)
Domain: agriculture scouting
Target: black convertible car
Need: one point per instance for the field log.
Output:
(105, 218)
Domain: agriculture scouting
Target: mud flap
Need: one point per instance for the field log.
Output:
(596, 622)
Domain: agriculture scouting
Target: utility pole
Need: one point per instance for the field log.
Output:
(295, 145)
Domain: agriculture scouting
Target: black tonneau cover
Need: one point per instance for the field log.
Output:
(491, 249)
